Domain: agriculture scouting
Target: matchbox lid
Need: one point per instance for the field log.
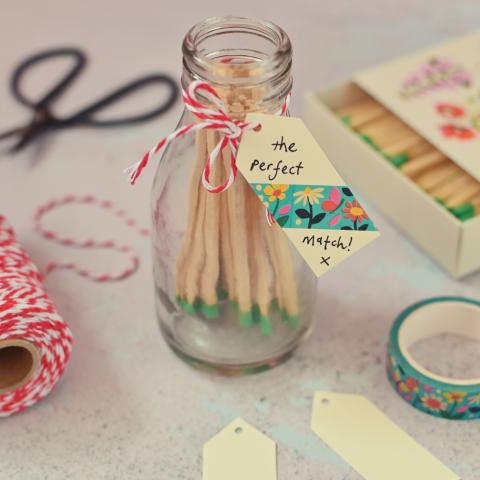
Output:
(436, 91)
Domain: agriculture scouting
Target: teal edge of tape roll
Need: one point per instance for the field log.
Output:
(435, 396)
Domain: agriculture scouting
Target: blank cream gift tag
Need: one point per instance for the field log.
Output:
(240, 452)
(370, 442)
(303, 192)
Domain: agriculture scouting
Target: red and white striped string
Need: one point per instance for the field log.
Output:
(216, 118)
(26, 311)
(132, 259)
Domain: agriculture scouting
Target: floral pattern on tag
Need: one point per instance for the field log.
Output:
(314, 207)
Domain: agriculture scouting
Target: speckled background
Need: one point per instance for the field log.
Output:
(127, 407)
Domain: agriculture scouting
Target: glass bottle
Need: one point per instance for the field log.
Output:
(232, 295)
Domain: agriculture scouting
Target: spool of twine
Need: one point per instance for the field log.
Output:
(35, 342)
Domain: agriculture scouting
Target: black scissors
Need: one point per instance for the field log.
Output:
(44, 120)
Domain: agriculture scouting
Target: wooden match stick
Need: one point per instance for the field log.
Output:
(211, 237)
(288, 285)
(259, 265)
(402, 145)
(419, 149)
(362, 118)
(468, 209)
(275, 262)
(359, 107)
(475, 201)
(392, 136)
(196, 255)
(381, 125)
(437, 176)
(226, 260)
(237, 224)
(445, 190)
(193, 206)
(416, 165)
(463, 195)
(284, 283)
(252, 253)
(382, 121)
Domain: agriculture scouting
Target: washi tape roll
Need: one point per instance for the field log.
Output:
(456, 399)
(35, 342)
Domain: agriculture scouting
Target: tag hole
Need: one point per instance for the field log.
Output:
(258, 128)
(239, 430)
(325, 401)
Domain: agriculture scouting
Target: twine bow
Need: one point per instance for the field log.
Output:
(216, 118)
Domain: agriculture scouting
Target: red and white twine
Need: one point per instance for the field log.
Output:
(133, 260)
(26, 311)
(211, 119)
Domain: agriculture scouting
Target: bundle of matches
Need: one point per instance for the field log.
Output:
(230, 254)
(432, 171)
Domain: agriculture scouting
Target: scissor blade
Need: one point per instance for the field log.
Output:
(12, 132)
(24, 140)
(30, 132)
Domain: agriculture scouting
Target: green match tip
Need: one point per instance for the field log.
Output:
(346, 119)
(464, 212)
(466, 217)
(234, 304)
(222, 294)
(464, 208)
(246, 319)
(370, 141)
(274, 304)
(398, 160)
(186, 306)
(256, 313)
(210, 311)
(265, 325)
(292, 320)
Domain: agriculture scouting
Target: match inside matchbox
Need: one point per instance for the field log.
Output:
(453, 243)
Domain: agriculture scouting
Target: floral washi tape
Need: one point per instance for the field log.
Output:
(314, 207)
(303, 192)
(455, 399)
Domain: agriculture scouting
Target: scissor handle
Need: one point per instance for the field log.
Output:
(86, 115)
(79, 58)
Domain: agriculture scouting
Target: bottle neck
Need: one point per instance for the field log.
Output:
(248, 62)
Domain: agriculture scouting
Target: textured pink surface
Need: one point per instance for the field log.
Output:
(128, 408)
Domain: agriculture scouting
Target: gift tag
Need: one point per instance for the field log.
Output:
(370, 442)
(303, 192)
(240, 452)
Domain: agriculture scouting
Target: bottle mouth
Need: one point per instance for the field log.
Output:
(236, 51)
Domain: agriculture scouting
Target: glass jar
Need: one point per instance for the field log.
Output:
(232, 294)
